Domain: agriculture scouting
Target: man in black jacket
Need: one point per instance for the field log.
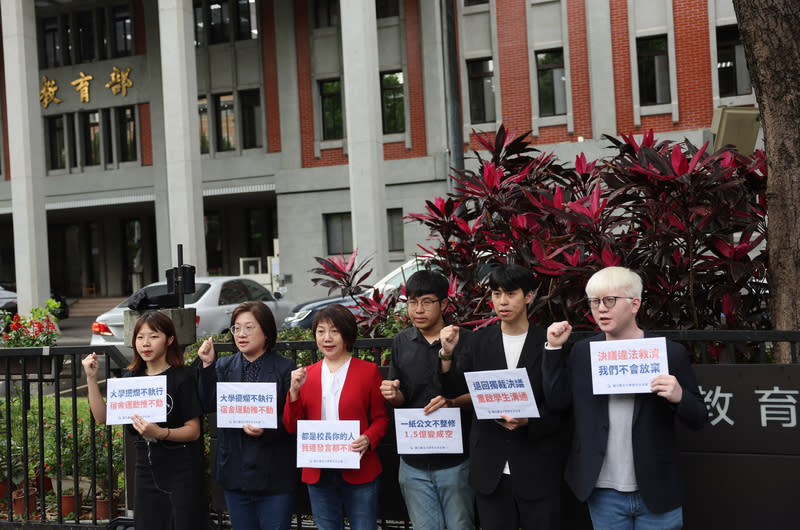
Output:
(434, 486)
(624, 460)
(516, 464)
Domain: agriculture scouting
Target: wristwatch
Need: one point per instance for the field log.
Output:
(444, 357)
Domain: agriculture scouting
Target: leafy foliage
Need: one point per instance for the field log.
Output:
(375, 310)
(37, 330)
(693, 223)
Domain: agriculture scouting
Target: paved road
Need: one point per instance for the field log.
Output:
(75, 331)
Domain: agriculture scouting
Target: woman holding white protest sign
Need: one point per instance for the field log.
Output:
(254, 465)
(341, 388)
(169, 486)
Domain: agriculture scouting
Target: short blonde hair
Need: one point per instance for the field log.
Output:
(620, 279)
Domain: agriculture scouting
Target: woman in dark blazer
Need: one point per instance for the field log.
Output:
(341, 387)
(255, 466)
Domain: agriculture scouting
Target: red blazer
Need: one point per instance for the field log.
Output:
(360, 400)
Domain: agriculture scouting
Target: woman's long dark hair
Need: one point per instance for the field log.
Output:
(156, 321)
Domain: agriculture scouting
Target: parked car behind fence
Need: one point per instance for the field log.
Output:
(214, 300)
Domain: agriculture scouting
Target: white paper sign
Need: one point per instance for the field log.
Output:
(326, 444)
(627, 366)
(496, 392)
(145, 396)
(437, 433)
(240, 404)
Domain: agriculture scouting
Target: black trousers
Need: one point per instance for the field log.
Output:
(502, 510)
(170, 487)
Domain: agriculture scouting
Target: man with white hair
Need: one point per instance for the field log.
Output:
(624, 461)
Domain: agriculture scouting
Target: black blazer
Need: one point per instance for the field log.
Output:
(263, 465)
(535, 453)
(568, 381)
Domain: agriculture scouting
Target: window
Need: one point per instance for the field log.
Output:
(326, 13)
(57, 143)
(330, 91)
(226, 122)
(102, 34)
(339, 233)
(219, 21)
(481, 90)
(98, 34)
(233, 292)
(214, 242)
(257, 292)
(199, 24)
(202, 109)
(394, 221)
(60, 141)
(126, 127)
(90, 126)
(105, 116)
(392, 105)
(122, 29)
(734, 79)
(259, 232)
(653, 67)
(386, 8)
(552, 87)
(247, 21)
(85, 36)
(51, 45)
(250, 103)
(468, 3)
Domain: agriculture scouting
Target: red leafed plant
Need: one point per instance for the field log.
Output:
(692, 222)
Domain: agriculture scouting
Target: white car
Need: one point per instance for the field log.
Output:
(214, 300)
(303, 314)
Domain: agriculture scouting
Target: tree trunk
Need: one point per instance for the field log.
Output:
(768, 29)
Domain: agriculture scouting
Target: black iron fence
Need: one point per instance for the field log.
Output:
(50, 448)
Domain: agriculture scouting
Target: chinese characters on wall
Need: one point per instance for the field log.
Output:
(120, 82)
(776, 405)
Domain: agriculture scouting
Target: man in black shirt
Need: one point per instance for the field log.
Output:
(435, 486)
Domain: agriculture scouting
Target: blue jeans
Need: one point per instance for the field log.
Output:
(440, 498)
(616, 510)
(260, 512)
(333, 497)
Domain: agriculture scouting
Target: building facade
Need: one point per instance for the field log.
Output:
(130, 126)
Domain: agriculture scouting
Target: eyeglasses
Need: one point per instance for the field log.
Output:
(246, 330)
(608, 301)
(426, 303)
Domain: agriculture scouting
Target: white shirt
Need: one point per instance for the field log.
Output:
(512, 346)
(332, 383)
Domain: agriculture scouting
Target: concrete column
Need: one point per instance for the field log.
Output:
(364, 131)
(24, 145)
(601, 67)
(181, 136)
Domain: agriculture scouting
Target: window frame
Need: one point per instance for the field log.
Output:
(643, 55)
(387, 9)
(251, 124)
(551, 68)
(668, 29)
(388, 91)
(474, 79)
(323, 98)
(325, 13)
(395, 242)
(342, 222)
(220, 127)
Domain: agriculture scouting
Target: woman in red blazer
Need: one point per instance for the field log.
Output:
(340, 387)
